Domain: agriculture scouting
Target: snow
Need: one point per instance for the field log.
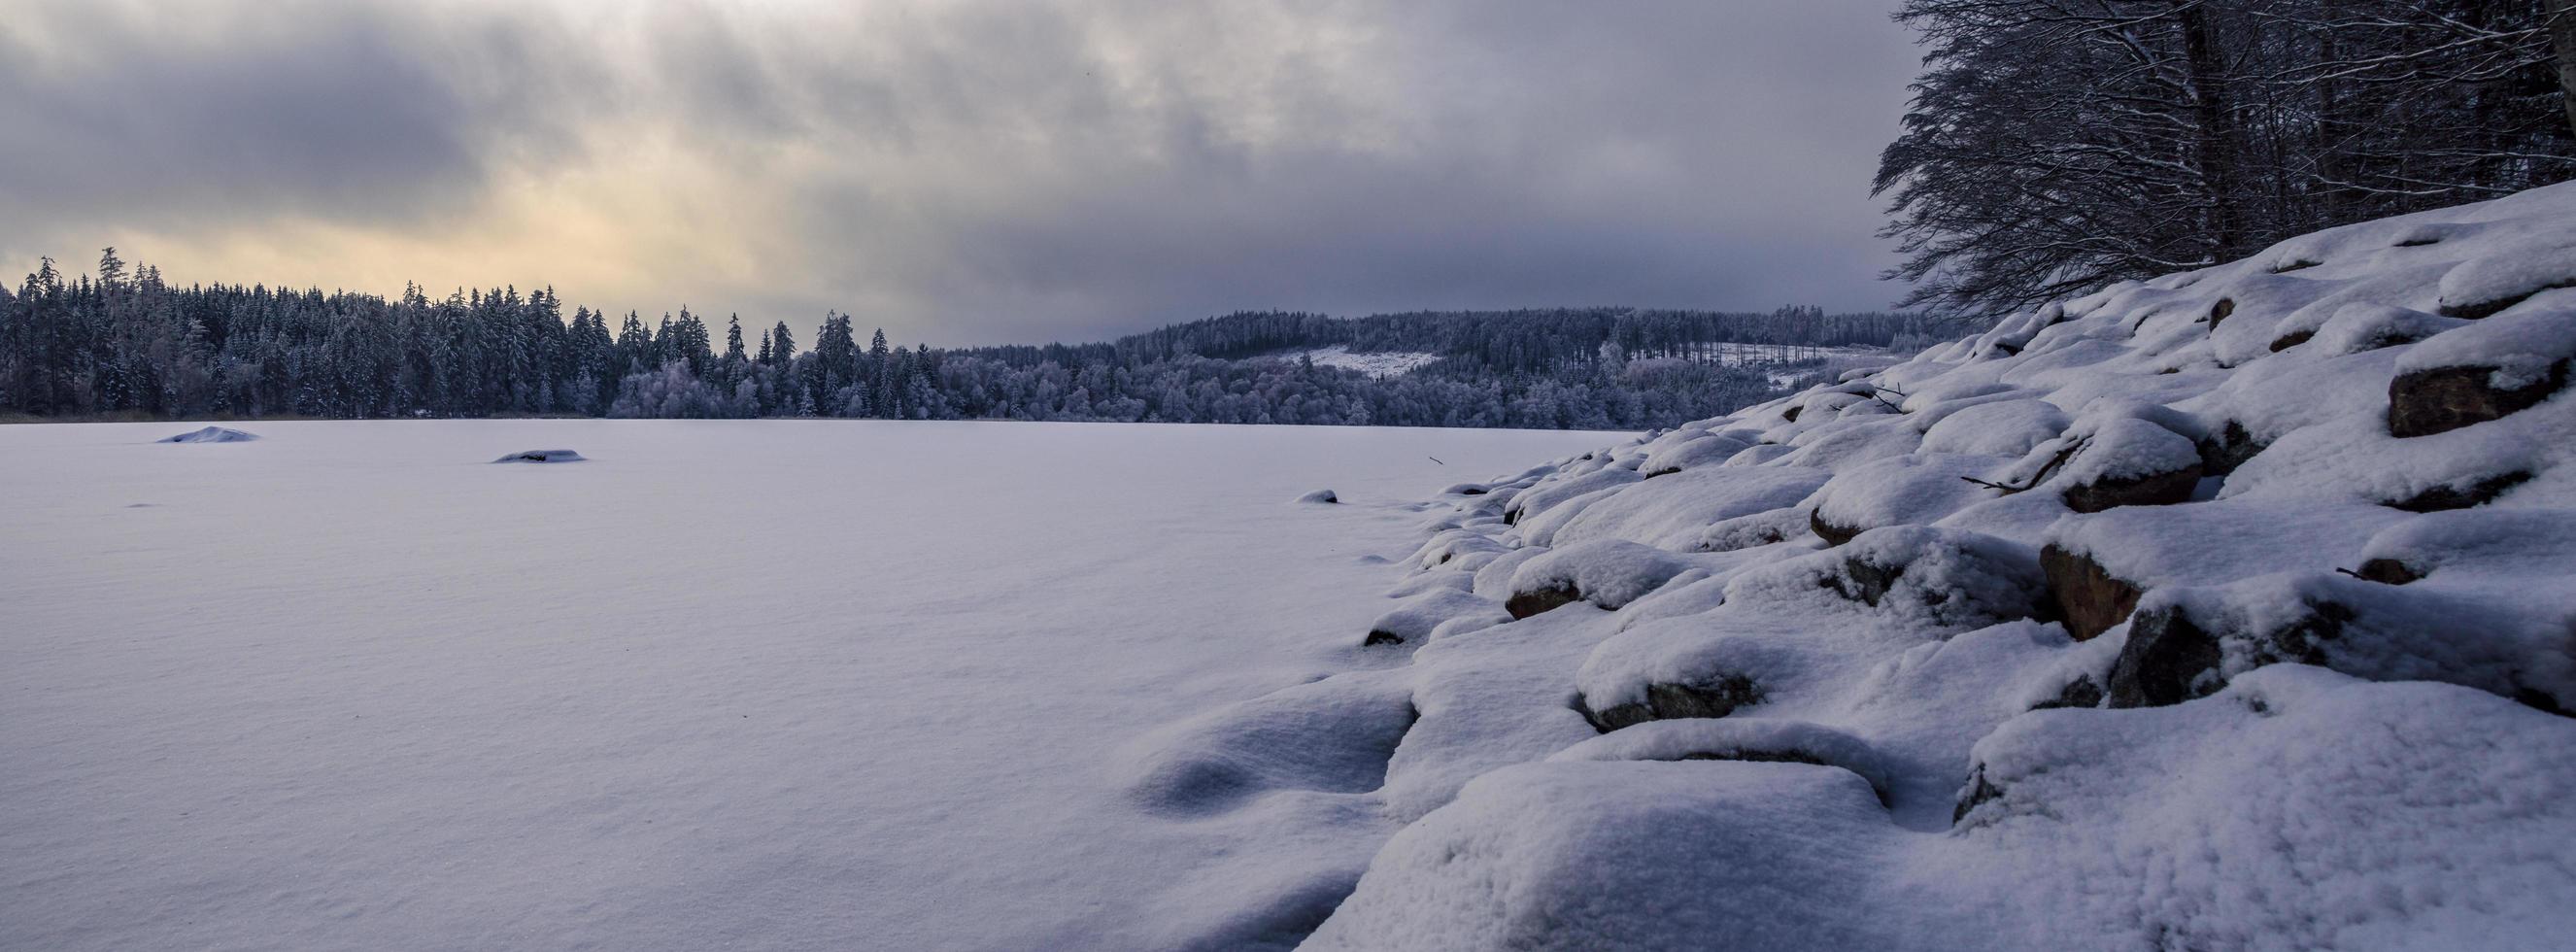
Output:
(1375, 363)
(732, 684)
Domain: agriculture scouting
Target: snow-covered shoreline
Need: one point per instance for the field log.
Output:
(2231, 609)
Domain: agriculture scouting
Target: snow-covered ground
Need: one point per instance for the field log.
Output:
(2232, 609)
(747, 685)
(1376, 363)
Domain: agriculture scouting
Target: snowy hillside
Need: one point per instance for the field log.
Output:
(2232, 609)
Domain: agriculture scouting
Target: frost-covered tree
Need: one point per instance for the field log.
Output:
(2054, 145)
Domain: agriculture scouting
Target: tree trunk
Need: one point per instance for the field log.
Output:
(2562, 41)
(2219, 151)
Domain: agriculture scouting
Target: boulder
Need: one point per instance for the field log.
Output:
(2447, 497)
(1716, 697)
(1535, 601)
(2152, 489)
(2171, 658)
(1831, 533)
(2441, 399)
(2388, 572)
(2088, 598)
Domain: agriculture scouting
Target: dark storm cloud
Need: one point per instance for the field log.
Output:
(980, 171)
(177, 114)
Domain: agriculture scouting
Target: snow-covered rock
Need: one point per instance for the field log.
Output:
(212, 434)
(542, 456)
(2230, 609)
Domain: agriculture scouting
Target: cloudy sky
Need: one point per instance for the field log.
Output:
(964, 171)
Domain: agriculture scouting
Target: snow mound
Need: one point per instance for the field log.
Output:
(2230, 609)
(1320, 496)
(541, 456)
(212, 434)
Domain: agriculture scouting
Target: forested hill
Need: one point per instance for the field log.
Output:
(126, 343)
(1519, 341)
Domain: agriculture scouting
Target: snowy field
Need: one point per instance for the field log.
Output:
(759, 685)
(1376, 363)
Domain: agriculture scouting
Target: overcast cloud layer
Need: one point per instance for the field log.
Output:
(966, 172)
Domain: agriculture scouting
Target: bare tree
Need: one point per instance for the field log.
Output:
(2054, 145)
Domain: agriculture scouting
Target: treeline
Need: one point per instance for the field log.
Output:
(1528, 341)
(2056, 145)
(126, 342)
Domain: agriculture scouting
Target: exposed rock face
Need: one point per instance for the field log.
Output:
(2089, 599)
(1717, 698)
(1382, 636)
(2153, 489)
(2291, 339)
(2442, 399)
(1524, 604)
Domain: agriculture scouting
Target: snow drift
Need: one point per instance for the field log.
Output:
(2231, 609)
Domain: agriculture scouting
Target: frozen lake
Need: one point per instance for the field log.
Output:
(739, 684)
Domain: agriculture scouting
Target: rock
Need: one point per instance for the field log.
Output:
(1321, 496)
(1524, 604)
(2489, 307)
(2089, 599)
(1863, 581)
(1717, 698)
(2442, 399)
(2291, 339)
(2222, 454)
(2153, 489)
(1381, 636)
(541, 456)
(2164, 662)
(212, 434)
(2171, 659)
(2388, 572)
(2442, 498)
(2218, 312)
(1977, 793)
(2081, 692)
(1831, 533)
